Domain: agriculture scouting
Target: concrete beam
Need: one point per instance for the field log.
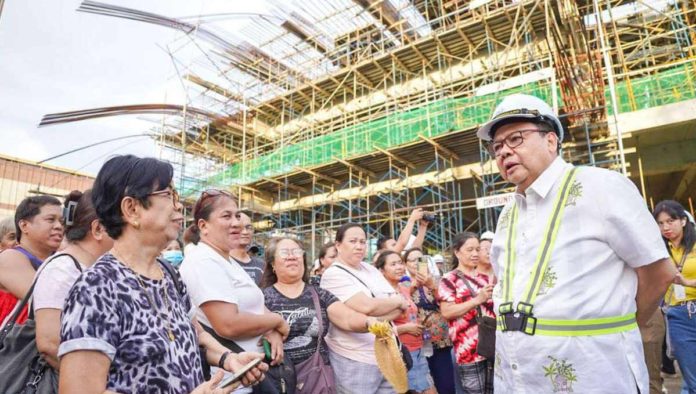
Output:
(668, 157)
(686, 183)
(656, 117)
(414, 181)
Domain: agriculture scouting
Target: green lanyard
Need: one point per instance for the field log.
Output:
(543, 255)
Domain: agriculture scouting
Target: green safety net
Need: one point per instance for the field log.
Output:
(437, 118)
(431, 120)
(666, 87)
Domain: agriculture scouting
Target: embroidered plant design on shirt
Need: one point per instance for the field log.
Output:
(574, 193)
(548, 281)
(504, 219)
(497, 366)
(562, 375)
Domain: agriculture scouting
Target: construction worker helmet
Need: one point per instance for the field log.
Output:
(487, 235)
(520, 107)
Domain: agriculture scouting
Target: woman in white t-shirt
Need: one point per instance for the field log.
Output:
(363, 288)
(231, 305)
(87, 240)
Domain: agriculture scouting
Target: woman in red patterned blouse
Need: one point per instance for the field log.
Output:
(459, 306)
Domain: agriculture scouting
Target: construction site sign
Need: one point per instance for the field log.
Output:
(494, 201)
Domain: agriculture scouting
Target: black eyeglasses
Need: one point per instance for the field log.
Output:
(169, 193)
(512, 141)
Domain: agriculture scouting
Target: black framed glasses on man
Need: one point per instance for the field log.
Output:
(512, 141)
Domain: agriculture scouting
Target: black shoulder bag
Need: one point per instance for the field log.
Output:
(22, 369)
(486, 327)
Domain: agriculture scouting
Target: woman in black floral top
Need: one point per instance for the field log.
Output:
(127, 323)
(288, 293)
(423, 291)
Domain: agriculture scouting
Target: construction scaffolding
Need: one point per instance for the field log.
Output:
(330, 111)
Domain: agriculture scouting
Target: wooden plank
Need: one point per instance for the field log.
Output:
(356, 167)
(397, 158)
(439, 147)
(318, 175)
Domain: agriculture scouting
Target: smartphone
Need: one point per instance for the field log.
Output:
(267, 351)
(423, 266)
(239, 374)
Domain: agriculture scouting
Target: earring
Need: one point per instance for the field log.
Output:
(136, 225)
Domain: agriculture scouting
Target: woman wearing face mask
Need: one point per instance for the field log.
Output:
(127, 324)
(407, 325)
(173, 253)
(87, 241)
(230, 304)
(39, 233)
(362, 288)
(679, 233)
(423, 294)
(287, 293)
(8, 234)
(459, 305)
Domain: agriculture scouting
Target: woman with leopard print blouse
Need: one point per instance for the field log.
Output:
(127, 325)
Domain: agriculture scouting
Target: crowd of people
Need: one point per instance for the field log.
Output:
(124, 300)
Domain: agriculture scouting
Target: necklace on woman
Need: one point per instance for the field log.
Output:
(151, 300)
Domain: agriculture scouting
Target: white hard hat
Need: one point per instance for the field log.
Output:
(520, 107)
(438, 258)
(487, 235)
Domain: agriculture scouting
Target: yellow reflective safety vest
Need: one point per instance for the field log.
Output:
(521, 317)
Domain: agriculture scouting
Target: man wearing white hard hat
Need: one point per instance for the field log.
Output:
(579, 262)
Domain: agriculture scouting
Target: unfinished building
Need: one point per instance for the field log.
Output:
(358, 110)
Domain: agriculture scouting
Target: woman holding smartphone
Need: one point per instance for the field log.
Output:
(127, 325)
(230, 304)
(408, 326)
(435, 327)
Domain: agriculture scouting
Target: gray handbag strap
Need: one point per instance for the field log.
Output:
(317, 309)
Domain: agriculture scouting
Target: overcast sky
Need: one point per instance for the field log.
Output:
(54, 59)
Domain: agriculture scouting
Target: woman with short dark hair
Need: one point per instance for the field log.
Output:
(87, 241)
(127, 323)
(39, 232)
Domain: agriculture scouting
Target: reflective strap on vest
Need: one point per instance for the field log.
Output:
(544, 253)
(576, 328)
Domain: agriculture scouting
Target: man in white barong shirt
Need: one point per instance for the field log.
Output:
(607, 264)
